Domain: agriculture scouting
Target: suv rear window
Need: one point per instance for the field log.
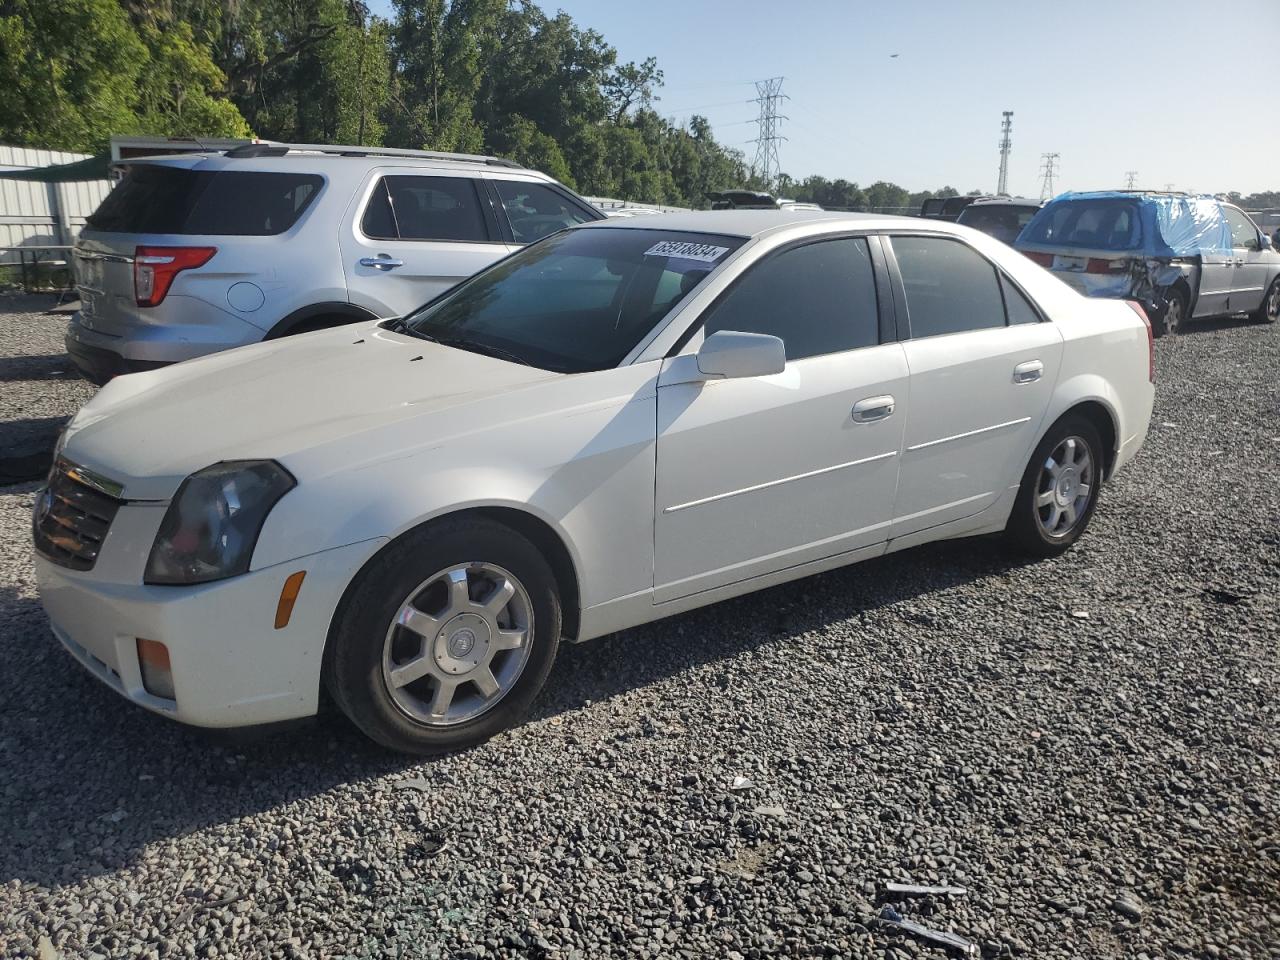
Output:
(161, 199)
(1095, 224)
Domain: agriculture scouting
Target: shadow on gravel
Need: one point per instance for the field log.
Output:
(1217, 323)
(87, 779)
(53, 366)
(26, 448)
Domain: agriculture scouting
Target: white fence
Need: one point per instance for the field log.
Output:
(43, 214)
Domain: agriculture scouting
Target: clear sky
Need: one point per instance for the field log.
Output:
(1182, 91)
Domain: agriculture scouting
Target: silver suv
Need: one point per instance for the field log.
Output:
(197, 253)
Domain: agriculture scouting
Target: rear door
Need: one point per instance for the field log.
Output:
(410, 237)
(983, 364)
(1253, 262)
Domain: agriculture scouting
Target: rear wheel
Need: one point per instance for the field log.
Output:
(1174, 317)
(446, 637)
(1059, 490)
(1269, 312)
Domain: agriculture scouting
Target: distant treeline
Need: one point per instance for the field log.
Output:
(477, 76)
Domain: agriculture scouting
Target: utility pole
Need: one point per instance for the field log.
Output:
(768, 95)
(1049, 169)
(1006, 127)
(1131, 179)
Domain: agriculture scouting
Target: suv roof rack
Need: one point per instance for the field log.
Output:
(273, 149)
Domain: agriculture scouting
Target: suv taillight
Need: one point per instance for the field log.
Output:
(1151, 339)
(155, 267)
(1044, 259)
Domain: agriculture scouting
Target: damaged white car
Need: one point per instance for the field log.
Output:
(620, 422)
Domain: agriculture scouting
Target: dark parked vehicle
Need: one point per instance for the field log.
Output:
(947, 208)
(1181, 256)
(1000, 217)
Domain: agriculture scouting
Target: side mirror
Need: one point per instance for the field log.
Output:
(728, 354)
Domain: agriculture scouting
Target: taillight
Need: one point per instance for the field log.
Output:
(1151, 339)
(1101, 265)
(1044, 259)
(155, 267)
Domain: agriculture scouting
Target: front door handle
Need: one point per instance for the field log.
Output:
(1028, 372)
(381, 262)
(873, 408)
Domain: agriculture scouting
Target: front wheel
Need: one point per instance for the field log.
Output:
(446, 637)
(1269, 312)
(1059, 490)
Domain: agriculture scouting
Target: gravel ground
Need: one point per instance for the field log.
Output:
(1088, 745)
(39, 387)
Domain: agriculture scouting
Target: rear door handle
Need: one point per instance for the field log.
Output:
(381, 262)
(1028, 372)
(873, 408)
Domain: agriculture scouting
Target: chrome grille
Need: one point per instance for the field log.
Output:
(71, 519)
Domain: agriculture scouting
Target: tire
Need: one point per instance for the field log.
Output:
(385, 676)
(1173, 319)
(1031, 529)
(1269, 312)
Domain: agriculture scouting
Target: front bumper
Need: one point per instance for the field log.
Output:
(231, 667)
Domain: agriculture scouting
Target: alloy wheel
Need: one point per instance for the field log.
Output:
(1173, 316)
(1065, 485)
(458, 644)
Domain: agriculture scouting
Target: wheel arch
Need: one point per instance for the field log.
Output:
(1104, 421)
(549, 542)
(331, 308)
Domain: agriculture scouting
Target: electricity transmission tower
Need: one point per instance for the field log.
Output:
(1130, 179)
(1049, 170)
(1006, 127)
(768, 95)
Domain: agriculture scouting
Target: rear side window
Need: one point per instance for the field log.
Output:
(949, 287)
(1016, 305)
(161, 199)
(536, 211)
(1095, 224)
(425, 208)
(819, 298)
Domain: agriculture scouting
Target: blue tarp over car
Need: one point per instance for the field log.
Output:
(1170, 225)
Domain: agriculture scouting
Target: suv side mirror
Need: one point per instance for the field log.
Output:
(728, 354)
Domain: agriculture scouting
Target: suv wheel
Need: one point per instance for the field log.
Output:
(446, 637)
(1269, 312)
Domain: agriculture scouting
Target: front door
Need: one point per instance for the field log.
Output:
(408, 238)
(983, 366)
(761, 474)
(1254, 262)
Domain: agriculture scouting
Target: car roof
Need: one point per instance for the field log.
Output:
(303, 160)
(755, 223)
(1006, 201)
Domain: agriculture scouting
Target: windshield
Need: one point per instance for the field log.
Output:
(1094, 224)
(577, 301)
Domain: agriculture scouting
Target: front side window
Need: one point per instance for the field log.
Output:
(1244, 235)
(577, 301)
(425, 208)
(949, 287)
(818, 298)
(536, 211)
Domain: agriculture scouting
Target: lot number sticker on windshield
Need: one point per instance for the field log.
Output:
(682, 249)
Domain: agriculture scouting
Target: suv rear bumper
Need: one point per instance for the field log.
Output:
(98, 364)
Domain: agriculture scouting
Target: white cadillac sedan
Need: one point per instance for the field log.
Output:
(623, 421)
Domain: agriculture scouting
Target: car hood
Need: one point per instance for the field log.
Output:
(280, 400)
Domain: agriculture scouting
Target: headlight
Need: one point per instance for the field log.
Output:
(211, 527)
